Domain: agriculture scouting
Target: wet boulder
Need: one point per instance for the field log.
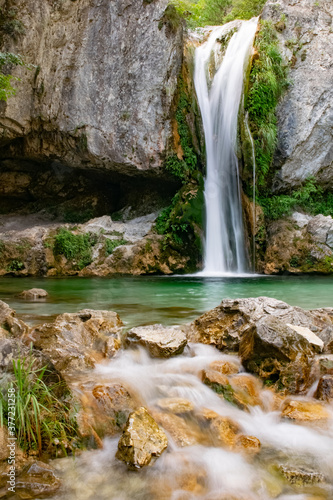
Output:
(178, 428)
(161, 341)
(79, 340)
(324, 390)
(33, 294)
(300, 476)
(279, 353)
(37, 480)
(175, 405)
(305, 410)
(9, 323)
(142, 440)
(224, 431)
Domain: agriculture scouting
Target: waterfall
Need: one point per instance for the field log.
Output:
(219, 106)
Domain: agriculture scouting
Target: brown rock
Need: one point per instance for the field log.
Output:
(77, 341)
(175, 405)
(9, 323)
(142, 440)
(224, 367)
(33, 294)
(324, 390)
(215, 380)
(305, 411)
(224, 431)
(246, 390)
(180, 432)
(161, 341)
(37, 480)
(300, 476)
(248, 444)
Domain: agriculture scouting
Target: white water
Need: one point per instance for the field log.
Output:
(219, 105)
(222, 473)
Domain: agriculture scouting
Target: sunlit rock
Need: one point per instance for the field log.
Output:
(305, 411)
(142, 440)
(175, 405)
(224, 431)
(161, 341)
(178, 429)
(78, 340)
(250, 445)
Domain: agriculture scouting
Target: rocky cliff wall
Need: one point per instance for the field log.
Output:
(305, 115)
(102, 87)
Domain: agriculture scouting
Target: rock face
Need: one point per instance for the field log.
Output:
(161, 342)
(276, 341)
(300, 243)
(102, 87)
(304, 114)
(142, 440)
(77, 341)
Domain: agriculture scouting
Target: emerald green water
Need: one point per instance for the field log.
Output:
(167, 300)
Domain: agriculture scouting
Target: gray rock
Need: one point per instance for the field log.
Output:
(102, 92)
(33, 294)
(305, 114)
(161, 341)
(9, 324)
(319, 227)
(37, 480)
(301, 220)
(324, 390)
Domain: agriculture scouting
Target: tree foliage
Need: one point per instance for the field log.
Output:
(7, 59)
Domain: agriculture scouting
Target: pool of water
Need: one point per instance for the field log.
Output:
(167, 300)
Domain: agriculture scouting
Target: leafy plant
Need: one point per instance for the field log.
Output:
(110, 245)
(171, 19)
(75, 247)
(15, 265)
(268, 80)
(41, 418)
(6, 88)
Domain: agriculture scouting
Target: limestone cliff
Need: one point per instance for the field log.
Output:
(305, 114)
(100, 92)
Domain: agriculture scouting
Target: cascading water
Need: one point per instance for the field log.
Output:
(219, 106)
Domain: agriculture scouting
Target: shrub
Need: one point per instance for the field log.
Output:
(6, 89)
(75, 247)
(268, 80)
(171, 19)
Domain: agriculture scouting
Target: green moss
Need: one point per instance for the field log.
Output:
(79, 216)
(171, 19)
(268, 81)
(77, 248)
(15, 265)
(110, 245)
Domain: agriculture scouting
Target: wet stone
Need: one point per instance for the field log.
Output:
(224, 367)
(33, 294)
(250, 445)
(175, 405)
(37, 480)
(305, 411)
(181, 433)
(324, 390)
(142, 440)
(161, 341)
(300, 476)
(224, 431)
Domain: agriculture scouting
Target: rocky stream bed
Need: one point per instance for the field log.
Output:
(236, 405)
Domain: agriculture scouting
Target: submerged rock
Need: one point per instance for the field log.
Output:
(175, 405)
(250, 445)
(37, 480)
(300, 476)
(179, 430)
(224, 431)
(161, 341)
(142, 440)
(324, 390)
(33, 294)
(77, 341)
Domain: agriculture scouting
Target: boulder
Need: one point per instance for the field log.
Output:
(10, 323)
(161, 341)
(324, 390)
(175, 405)
(33, 294)
(37, 480)
(278, 353)
(224, 431)
(142, 440)
(305, 410)
(77, 341)
(225, 325)
(104, 409)
(249, 445)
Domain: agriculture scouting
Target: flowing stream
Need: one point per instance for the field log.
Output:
(219, 106)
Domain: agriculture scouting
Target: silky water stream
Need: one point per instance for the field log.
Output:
(196, 464)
